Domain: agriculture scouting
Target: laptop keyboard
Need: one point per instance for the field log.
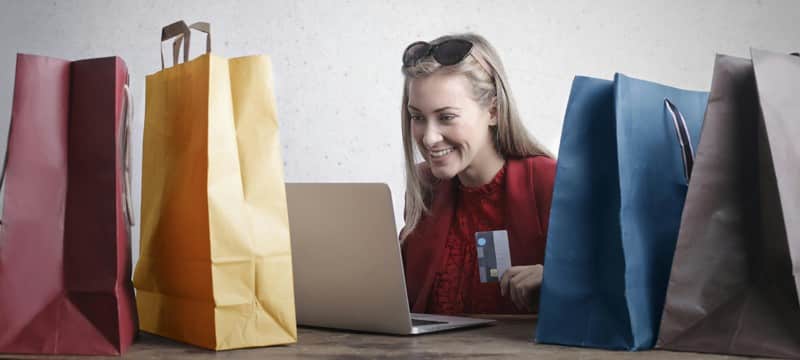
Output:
(418, 322)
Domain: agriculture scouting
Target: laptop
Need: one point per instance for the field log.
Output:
(348, 270)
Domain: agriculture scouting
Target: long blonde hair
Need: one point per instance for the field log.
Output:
(511, 139)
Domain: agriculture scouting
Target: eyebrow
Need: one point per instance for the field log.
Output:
(437, 110)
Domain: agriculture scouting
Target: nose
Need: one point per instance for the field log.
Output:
(432, 135)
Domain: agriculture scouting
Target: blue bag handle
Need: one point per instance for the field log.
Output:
(684, 138)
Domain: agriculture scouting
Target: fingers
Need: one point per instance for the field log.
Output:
(504, 284)
(513, 294)
(531, 279)
(505, 281)
(520, 285)
(519, 299)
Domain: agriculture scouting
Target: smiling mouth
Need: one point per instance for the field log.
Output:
(440, 153)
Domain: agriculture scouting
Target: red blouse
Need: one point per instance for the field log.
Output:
(457, 288)
(441, 246)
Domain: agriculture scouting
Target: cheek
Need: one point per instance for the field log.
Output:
(463, 134)
(417, 132)
(478, 131)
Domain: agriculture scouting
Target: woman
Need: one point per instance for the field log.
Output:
(482, 171)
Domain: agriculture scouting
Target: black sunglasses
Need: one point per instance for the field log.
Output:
(448, 52)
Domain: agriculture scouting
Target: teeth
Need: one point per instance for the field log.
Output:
(441, 153)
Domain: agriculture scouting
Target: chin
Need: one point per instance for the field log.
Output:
(443, 172)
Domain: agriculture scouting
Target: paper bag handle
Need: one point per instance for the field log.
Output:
(125, 153)
(684, 138)
(5, 165)
(180, 30)
(204, 27)
(201, 26)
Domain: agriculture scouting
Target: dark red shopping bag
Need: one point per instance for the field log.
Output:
(65, 260)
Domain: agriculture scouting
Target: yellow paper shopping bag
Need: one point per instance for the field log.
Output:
(215, 261)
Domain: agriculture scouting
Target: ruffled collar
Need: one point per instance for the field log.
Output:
(488, 188)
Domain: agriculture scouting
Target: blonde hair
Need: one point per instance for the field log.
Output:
(511, 139)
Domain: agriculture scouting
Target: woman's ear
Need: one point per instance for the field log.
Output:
(493, 112)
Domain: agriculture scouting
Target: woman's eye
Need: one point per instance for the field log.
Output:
(417, 118)
(447, 117)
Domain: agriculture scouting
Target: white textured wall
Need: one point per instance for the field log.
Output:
(336, 63)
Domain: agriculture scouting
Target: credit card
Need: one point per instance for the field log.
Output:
(494, 257)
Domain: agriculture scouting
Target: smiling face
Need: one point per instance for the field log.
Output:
(450, 128)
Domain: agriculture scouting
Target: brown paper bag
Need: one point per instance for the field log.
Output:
(733, 287)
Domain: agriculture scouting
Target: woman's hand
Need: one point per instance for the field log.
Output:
(520, 282)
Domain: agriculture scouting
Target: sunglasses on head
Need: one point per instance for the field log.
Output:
(448, 52)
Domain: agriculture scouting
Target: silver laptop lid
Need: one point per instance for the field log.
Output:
(348, 271)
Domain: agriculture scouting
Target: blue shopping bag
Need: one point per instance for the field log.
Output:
(623, 169)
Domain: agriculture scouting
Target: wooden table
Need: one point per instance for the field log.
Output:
(509, 338)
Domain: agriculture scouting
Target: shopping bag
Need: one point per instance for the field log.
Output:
(65, 257)
(215, 263)
(624, 163)
(733, 287)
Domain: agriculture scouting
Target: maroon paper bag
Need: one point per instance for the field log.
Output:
(65, 260)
